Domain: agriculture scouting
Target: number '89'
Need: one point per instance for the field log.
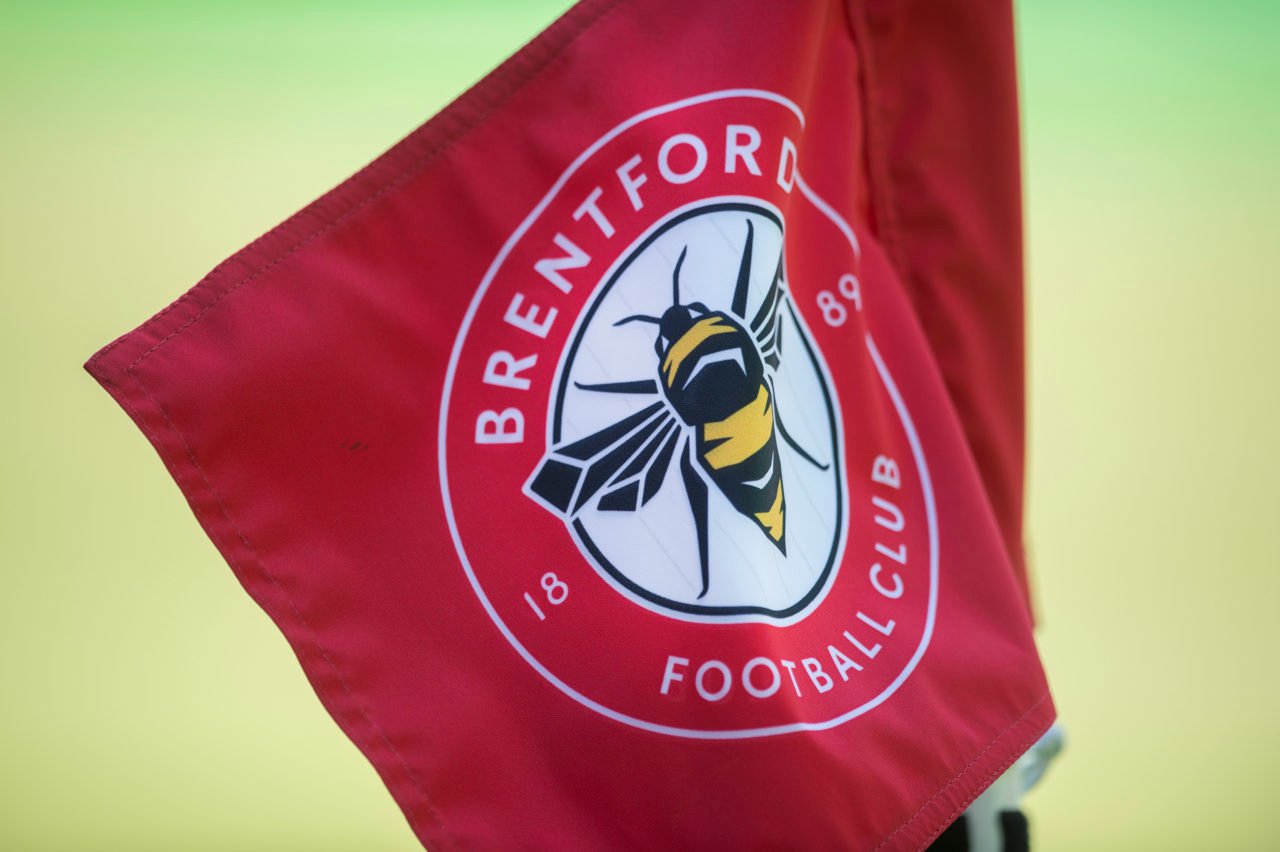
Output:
(834, 311)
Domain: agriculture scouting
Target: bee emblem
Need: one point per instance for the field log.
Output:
(714, 414)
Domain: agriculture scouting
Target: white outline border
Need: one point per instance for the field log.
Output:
(908, 425)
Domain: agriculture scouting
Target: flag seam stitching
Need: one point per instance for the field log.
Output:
(960, 775)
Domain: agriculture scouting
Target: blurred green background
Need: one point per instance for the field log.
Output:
(147, 704)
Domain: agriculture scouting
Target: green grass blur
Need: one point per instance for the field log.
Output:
(147, 704)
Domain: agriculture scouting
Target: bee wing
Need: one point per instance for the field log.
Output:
(762, 324)
(765, 325)
(771, 349)
(571, 474)
(646, 468)
(769, 337)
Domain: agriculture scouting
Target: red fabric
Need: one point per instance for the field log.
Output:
(319, 395)
(949, 207)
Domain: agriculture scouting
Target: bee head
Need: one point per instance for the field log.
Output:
(676, 322)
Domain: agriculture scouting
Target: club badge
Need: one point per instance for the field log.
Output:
(678, 472)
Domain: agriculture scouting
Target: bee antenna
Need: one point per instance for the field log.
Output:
(675, 277)
(638, 318)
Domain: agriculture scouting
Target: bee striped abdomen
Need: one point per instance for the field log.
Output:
(740, 453)
(773, 519)
(742, 434)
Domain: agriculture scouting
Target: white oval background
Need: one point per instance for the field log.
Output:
(655, 547)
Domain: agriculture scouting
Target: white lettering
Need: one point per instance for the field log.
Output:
(885, 471)
(671, 676)
(892, 594)
(869, 653)
(899, 555)
(774, 684)
(632, 183)
(575, 258)
(895, 522)
(821, 680)
(589, 208)
(734, 150)
(528, 321)
(504, 427)
(841, 662)
(699, 155)
(787, 165)
(883, 629)
(790, 666)
(504, 369)
(713, 665)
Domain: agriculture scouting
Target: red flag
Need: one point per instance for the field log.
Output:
(626, 453)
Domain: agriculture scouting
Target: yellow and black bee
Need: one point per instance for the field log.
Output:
(716, 409)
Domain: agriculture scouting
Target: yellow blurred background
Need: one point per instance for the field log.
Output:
(147, 703)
